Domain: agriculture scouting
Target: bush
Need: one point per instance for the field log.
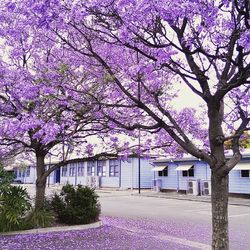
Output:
(38, 218)
(76, 205)
(5, 178)
(14, 203)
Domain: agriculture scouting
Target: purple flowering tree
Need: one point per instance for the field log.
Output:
(44, 104)
(36, 118)
(141, 51)
(204, 46)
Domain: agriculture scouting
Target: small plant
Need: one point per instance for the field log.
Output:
(76, 205)
(38, 218)
(5, 178)
(14, 203)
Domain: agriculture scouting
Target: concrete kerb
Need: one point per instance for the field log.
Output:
(245, 203)
(232, 200)
(56, 229)
(170, 197)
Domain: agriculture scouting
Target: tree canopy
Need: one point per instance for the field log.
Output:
(137, 54)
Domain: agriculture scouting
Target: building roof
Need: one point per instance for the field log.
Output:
(190, 158)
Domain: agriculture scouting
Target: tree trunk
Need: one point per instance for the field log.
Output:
(40, 182)
(219, 197)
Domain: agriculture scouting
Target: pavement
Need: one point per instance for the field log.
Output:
(149, 220)
(232, 200)
(144, 192)
(173, 195)
(183, 218)
(116, 233)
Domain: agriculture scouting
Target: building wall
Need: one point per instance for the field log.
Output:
(201, 172)
(170, 181)
(238, 184)
(51, 179)
(74, 179)
(24, 177)
(175, 179)
(146, 173)
(128, 175)
(127, 172)
(107, 180)
(21, 175)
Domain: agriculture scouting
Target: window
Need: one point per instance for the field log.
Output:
(164, 172)
(91, 168)
(72, 170)
(15, 173)
(80, 169)
(188, 173)
(245, 173)
(64, 171)
(114, 167)
(28, 171)
(101, 168)
(19, 173)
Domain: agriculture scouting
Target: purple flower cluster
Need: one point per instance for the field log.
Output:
(120, 233)
(114, 234)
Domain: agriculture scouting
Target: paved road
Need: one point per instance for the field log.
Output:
(139, 222)
(176, 220)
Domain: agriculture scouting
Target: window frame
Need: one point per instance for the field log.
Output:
(101, 168)
(72, 173)
(80, 173)
(163, 173)
(188, 173)
(244, 170)
(27, 172)
(90, 168)
(64, 171)
(114, 168)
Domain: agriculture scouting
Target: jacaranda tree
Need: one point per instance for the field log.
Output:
(39, 101)
(140, 51)
(35, 119)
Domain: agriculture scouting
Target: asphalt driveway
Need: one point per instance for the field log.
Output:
(140, 222)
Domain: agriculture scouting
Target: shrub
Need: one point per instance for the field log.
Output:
(14, 203)
(76, 205)
(5, 178)
(38, 218)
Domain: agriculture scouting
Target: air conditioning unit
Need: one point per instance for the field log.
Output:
(193, 187)
(206, 187)
(156, 185)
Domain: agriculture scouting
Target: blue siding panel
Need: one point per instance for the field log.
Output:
(238, 184)
(129, 175)
(126, 173)
(170, 181)
(176, 181)
(146, 173)
(110, 182)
